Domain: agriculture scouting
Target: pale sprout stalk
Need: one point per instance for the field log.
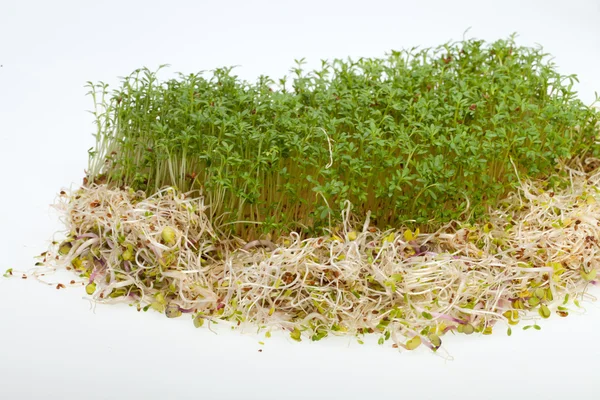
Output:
(537, 252)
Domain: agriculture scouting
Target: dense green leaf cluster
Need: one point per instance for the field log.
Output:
(420, 135)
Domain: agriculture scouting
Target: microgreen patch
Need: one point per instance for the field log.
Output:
(427, 136)
(406, 196)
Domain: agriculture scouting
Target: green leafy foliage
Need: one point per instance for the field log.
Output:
(421, 135)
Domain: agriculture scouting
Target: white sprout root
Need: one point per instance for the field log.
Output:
(162, 252)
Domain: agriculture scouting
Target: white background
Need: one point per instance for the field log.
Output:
(53, 346)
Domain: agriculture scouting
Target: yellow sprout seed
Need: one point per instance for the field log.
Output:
(168, 235)
(544, 311)
(533, 301)
(512, 316)
(160, 307)
(77, 264)
(172, 311)
(589, 276)
(127, 255)
(198, 321)
(64, 248)
(468, 329)
(413, 343)
(518, 304)
(389, 238)
(296, 335)
(90, 288)
(435, 340)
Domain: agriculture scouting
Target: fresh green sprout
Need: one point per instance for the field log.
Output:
(434, 191)
(409, 287)
(423, 136)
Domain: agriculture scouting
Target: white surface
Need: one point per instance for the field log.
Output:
(53, 346)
